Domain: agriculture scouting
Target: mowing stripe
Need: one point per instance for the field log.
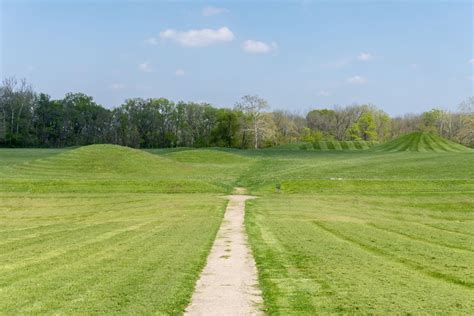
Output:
(415, 266)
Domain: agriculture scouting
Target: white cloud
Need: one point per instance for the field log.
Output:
(257, 47)
(195, 38)
(357, 80)
(324, 93)
(210, 11)
(117, 86)
(471, 61)
(364, 56)
(414, 66)
(153, 41)
(179, 72)
(145, 67)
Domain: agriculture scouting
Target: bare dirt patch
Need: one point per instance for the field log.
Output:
(239, 190)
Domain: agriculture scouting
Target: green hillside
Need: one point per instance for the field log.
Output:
(207, 156)
(343, 145)
(109, 168)
(97, 161)
(328, 145)
(421, 142)
(106, 229)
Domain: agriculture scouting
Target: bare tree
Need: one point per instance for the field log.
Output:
(16, 102)
(465, 133)
(286, 126)
(252, 106)
(345, 118)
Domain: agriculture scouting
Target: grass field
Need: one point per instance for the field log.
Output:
(96, 230)
(106, 229)
(328, 145)
(421, 142)
(365, 252)
(103, 253)
(365, 232)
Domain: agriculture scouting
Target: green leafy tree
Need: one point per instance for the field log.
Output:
(364, 129)
(225, 132)
(367, 127)
(431, 121)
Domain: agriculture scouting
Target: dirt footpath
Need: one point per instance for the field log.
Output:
(228, 284)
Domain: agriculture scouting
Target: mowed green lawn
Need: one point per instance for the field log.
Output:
(364, 233)
(90, 253)
(106, 229)
(103, 229)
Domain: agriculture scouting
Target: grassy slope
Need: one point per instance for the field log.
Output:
(12, 156)
(314, 172)
(110, 168)
(364, 232)
(329, 145)
(90, 231)
(421, 142)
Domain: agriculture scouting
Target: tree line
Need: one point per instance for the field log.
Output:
(31, 119)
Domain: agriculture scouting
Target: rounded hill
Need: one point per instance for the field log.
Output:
(327, 145)
(101, 160)
(421, 142)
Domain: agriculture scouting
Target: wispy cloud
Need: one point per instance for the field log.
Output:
(196, 38)
(117, 86)
(257, 47)
(179, 72)
(471, 61)
(364, 56)
(145, 67)
(153, 41)
(357, 80)
(210, 11)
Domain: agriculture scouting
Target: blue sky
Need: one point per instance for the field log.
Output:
(403, 56)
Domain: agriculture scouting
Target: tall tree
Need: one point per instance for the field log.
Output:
(48, 121)
(364, 128)
(225, 132)
(324, 121)
(465, 133)
(197, 123)
(252, 106)
(345, 117)
(17, 100)
(86, 122)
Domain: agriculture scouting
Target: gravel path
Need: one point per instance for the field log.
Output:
(228, 284)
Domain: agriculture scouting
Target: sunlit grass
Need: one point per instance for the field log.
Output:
(107, 229)
(103, 253)
(351, 253)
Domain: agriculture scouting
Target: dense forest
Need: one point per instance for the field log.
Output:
(31, 119)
